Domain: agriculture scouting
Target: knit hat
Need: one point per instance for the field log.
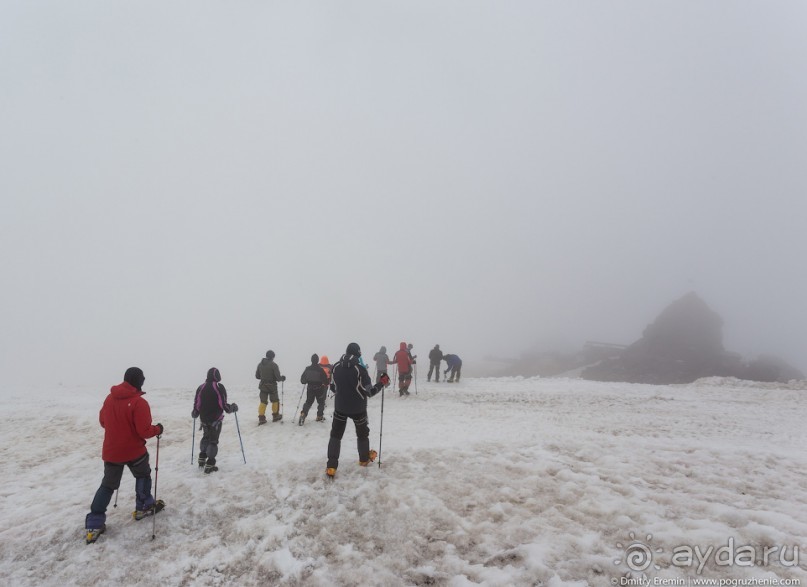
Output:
(314, 359)
(134, 377)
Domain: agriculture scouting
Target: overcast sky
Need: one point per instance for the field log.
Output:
(190, 184)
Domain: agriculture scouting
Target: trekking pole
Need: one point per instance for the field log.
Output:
(296, 411)
(116, 497)
(416, 378)
(381, 427)
(281, 399)
(193, 439)
(156, 473)
(237, 427)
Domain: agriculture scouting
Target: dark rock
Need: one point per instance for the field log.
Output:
(769, 368)
(685, 343)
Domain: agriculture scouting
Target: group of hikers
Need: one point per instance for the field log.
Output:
(127, 422)
(405, 362)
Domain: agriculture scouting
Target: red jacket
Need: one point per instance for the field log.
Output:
(126, 420)
(403, 359)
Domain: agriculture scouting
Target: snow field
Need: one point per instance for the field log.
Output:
(500, 481)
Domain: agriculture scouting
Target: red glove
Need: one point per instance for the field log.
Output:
(384, 379)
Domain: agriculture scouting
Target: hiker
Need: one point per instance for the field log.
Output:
(454, 367)
(209, 405)
(317, 380)
(403, 359)
(435, 356)
(351, 386)
(269, 374)
(126, 420)
(381, 359)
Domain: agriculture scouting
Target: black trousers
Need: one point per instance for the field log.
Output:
(315, 394)
(436, 368)
(141, 471)
(209, 445)
(338, 430)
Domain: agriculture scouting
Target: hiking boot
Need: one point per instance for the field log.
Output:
(320, 418)
(330, 472)
(94, 533)
(202, 460)
(261, 420)
(149, 511)
(302, 418)
(371, 456)
(277, 417)
(210, 469)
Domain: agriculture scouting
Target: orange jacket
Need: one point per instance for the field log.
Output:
(326, 366)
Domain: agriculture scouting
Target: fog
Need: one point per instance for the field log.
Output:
(192, 184)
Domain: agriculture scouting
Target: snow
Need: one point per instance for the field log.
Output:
(492, 481)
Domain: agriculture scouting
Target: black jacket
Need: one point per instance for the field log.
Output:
(315, 377)
(211, 399)
(435, 356)
(352, 386)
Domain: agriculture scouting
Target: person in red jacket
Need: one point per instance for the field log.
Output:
(403, 358)
(126, 420)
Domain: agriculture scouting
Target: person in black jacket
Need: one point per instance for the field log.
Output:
(351, 386)
(209, 406)
(435, 356)
(317, 381)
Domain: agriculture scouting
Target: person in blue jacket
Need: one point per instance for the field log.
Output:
(454, 368)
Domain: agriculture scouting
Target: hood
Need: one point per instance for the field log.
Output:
(324, 360)
(403, 346)
(213, 374)
(314, 359)
(125, 391)
(383, 349)
(349, 360)
(270, 355)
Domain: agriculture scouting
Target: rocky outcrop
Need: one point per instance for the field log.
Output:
(685, 343)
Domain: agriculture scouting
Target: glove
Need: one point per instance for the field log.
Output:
(282, 377)
(195, 413)
(160, 426)
(233, 408)
(384, 379)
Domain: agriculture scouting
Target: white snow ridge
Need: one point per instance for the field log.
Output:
(499, 481)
